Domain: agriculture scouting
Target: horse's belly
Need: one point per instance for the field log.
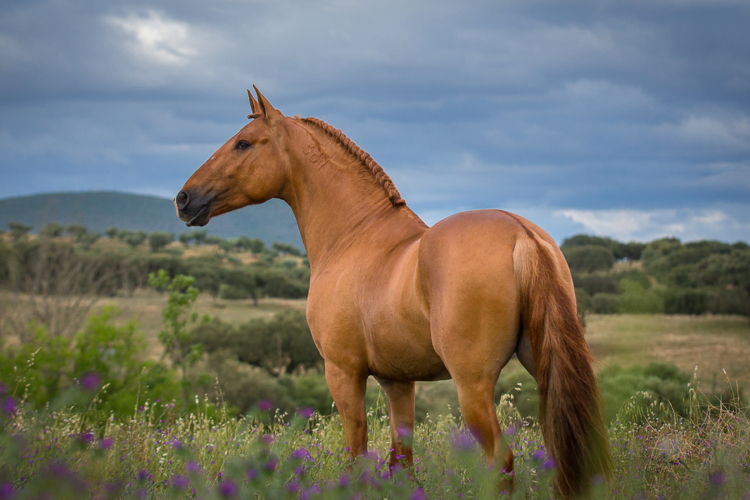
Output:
(397, 354)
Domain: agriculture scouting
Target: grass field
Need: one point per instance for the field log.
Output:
(712, 343)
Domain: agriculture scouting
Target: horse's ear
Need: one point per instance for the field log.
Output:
(269, 112)
(254, 106)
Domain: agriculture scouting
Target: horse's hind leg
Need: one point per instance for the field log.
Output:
(477, 401)
(401, 412)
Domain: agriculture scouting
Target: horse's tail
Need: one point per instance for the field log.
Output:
(570, 407)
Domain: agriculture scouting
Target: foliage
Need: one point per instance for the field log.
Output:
(155, 454)
(104, 357)
(176, 315)
(18, 230)
(589, 258)
(280, 345)
(159, 239)
(634, 298)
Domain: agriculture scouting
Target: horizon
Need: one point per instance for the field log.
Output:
(207, 228)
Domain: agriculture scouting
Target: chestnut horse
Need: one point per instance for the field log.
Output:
(400, 301)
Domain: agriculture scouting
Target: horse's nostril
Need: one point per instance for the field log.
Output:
(182, 199)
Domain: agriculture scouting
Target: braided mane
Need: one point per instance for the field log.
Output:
(362, 155)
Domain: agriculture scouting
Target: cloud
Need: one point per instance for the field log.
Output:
(157, 38)
(686, 224)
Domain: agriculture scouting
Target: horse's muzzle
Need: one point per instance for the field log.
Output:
(193, 210)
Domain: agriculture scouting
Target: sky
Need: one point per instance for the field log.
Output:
(622, 118)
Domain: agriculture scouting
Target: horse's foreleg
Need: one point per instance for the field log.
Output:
(348, 390)
(401, 412)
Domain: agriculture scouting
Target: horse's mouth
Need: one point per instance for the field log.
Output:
(201, 218)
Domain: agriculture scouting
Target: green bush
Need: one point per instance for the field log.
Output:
(590, 258)
(593, 284)
(662, 381)
(280, 345)
(733, 300)
(604, 303)
(686, 301)
(635, 299)
(230, 292)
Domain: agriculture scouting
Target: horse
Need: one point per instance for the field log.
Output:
(402, 302)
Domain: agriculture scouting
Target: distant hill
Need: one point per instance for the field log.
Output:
(99, 210)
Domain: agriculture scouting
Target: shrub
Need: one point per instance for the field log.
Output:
(635, 299)
(230, 292)
(159, 239)
(604, 303)
(733, 300)
(589, 258)
(681, 301)
(593, 284)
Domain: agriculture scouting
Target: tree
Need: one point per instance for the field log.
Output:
(18, 230)
(589, 258)
(158, 240)
(112, 233)
(253, 244)
(176, 316)
(185, 238)
(76, 230)
(286, 248)
(135, 238)
(52, 230)
(199, 236)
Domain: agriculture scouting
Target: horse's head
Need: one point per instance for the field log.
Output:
(249, 168)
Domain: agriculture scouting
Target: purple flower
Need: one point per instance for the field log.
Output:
(176, 444)
(9, 406)
(265, 405)
(90, 381)
(6, 490)
(271, 464)
(193, 467)
(227, 488)
(313, 490)
(86, 437)
(549, 464)
(293, 487)
(306, 413)
(301, 454)
(538, 455)
(462, 440)
(716, 478)
(418, 494)
(344, 481)
(142, 475)
(252, 474)
(180, 482)
(105, 443)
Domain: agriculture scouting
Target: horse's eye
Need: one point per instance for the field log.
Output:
(242, 145)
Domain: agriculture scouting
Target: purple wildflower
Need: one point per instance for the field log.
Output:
(227, 488)
(105, 443)
(549, 464)
(180, 482)
(462, 440)
(86, 437)
(6, 490)
(418, 494)
(306, 413)
(252, 474)
(344, 481)
(301, 454)
(716, 478)
(538, 455)
(142, 475)
(9, 406)
(265, 405)
(90, 381)
(193, 467)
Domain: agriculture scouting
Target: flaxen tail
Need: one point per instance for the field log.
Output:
(570, 403)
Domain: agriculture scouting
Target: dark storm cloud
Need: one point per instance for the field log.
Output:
(574, 109)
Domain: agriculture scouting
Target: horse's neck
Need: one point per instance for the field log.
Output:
(339, 204)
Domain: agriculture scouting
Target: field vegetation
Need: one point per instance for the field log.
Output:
(136, 365)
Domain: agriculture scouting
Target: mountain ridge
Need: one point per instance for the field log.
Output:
(99, 210)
